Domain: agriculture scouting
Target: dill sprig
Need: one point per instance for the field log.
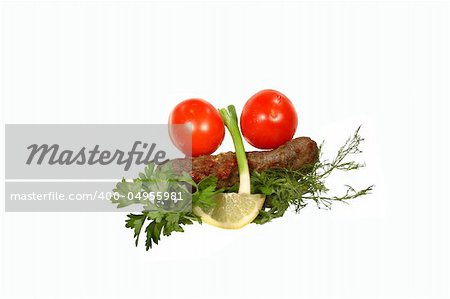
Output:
(286, 188)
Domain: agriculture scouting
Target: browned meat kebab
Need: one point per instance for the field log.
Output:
(293, 155)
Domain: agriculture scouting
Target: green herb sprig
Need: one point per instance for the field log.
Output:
(286, 188)
(163, 217)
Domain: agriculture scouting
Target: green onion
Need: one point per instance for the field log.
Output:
(230, 119)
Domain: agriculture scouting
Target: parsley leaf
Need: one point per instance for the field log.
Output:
(163, 217)
(135, 222)
(205, 192)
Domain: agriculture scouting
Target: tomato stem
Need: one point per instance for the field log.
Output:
(231, 122)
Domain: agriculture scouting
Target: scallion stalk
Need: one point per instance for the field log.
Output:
(230, 119)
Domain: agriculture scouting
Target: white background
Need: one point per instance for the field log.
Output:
(381, 64)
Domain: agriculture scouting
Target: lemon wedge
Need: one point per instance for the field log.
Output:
(232, 210)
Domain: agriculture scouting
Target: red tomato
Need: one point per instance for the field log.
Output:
(207, 129)
(268, 119)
